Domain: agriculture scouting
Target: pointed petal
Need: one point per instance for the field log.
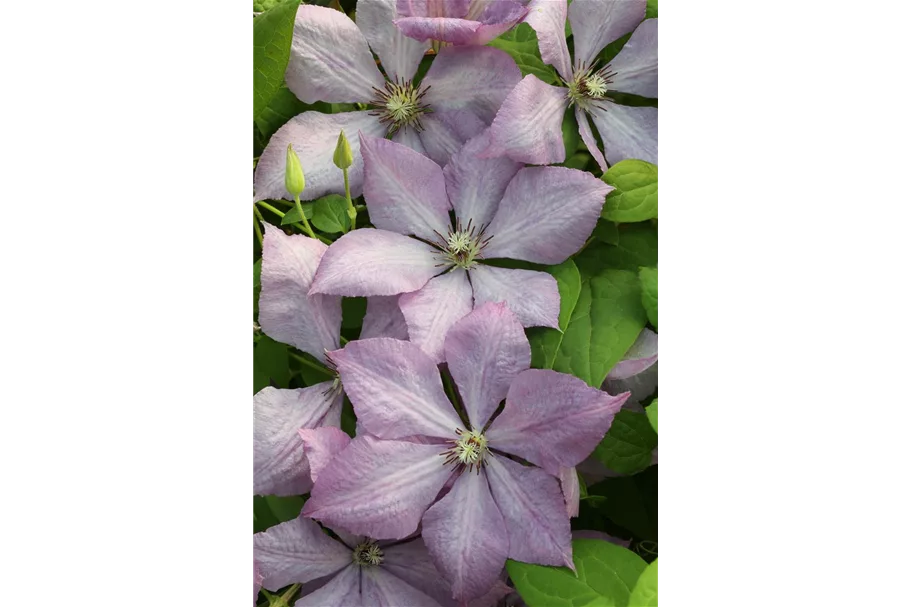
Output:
(597, 23)
(548, 18)
(411, 138)
(476, 185)
(446, 131)
(453, 31)
(383, 589)
(585, 130)
(399, 54)
(569, 483)
(433, 8)
(405, 191)
(532, 506)
(395, 389)
(485, 351)
(532, 296)
(537, 220)
(430, 312)
(553, 419)
(257, 581)
(410, 562)
(341, 590)
(279, 463)
(627, 132)
(640, 356)
(637, 63)
(314, 136)
(297, 551)
(497, 18)
(529, 125)
(640, 387)
(374, 262)
(330, 60)
(321, 445)
(286, 313)
(384, 319)
(466, 536)
(378, 488)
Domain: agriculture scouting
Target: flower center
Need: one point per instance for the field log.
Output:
(399, 105)
(462, 247)
(367, 554)
(467, 450)
(589, 84)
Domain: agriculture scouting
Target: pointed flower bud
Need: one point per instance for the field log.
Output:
(294, 174)
(342, 157)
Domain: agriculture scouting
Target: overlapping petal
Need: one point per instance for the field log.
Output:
(410, 561)
(431, 311)
(378, 587)
(548, 18)
(342, 589)
(495, 19)
(445, 132)
(395, 389)
(585, 131)
(597, 23)
(569, 483)
(297, 551)
(384, 318)
(640, 356)
(627, 132)
(637, 63)
(411, 138)
(532, 296)
(433, 8)
(321, 445)
(399, 54)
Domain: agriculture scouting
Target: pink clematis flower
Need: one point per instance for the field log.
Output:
(385, 483)
(458, 22)
(331, 61)
(528, 126)
(538, 214)
(311, 324)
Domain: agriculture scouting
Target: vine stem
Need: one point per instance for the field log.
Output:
(352, 212)
(269, 207)
(259, 230)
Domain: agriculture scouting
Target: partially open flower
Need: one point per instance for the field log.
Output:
(458, 22)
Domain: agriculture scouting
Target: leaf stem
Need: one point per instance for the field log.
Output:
(300, 210)
(306, 361)
(259, 230)
(352, 212)
(269, 207)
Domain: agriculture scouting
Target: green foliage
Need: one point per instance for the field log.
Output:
(629, 443)
(637, 247)
(636, 195)
(648, 278)
(270, 360)
(270, 510)
(645, 592)
(283, 107)
(545, 342)
(652, 412)
(330, 214)
(521, 43)
(651, 9)
(606, 231)
(631, 502)
(292, 216)
(271, 48)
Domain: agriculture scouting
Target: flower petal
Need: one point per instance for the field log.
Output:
(411, 138)
(330, 60)
(433, 8)
(405, 191)
(279, 462)
(529, 125)
(585, 130)
(497, 18)
(410, 561)
(286, 313)
(597, 23)
(453, 31)
(374, 262)
(314, 136)
(538, 221)
(532, 296)
(466, 536)
(378, 488)
(297, 551)
(257, 581)
(553, 419)
(395, 389)
(569, 483)
(446, 131)
(640, 387)
(378, 587)
(627, 132)
(431, 311)
(485, 351)
(533, 509)
(548, 18)
(341, 590)
(637, 63)
(640, 356)
(384, 319)
(476, 185)
(399, 54)
(321, 445)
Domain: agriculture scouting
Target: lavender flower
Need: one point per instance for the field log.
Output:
(539, 214)
(528, 126)
(458, 22)
(384, 482)
(331, 61)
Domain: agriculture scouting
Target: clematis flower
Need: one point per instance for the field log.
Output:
(458, 22)
(538, 214)
(331, 61)
(385, 483)
(528, 126)
(637, 371)
(311, 324)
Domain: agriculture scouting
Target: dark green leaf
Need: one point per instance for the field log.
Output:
(606, 231)
(636, 195)
(353, 310)
(544, 341)
(638, 247)
(285, 508)
(270, 358)
(522, 44)
(645, 592)
(262, 514)
(292, 216)
(629, 443)
(330, 214)
(648, 278)
(631, 502)
(571, 138)
(283, 107)
(271, 47)
(257, 270)
(652, 412)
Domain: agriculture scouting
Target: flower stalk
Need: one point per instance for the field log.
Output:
(343, 159)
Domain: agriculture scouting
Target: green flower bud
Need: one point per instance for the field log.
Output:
(294, 174)
(342, 157)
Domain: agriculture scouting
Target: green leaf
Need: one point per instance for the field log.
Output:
(257, 270)
(330, 214)
(270, 358)
(652, 412)
(637, 247)
(645, 592)
(636, 195)
(292, 216)
(648, 278)
(544, 341)
(571, 138)
(651, 9)
(631, 502)
(285, 508)
(271, 47)
(284, 106)
(522, 44)
(607, 574)
(353, 311)
(629, 443)
(606, 231)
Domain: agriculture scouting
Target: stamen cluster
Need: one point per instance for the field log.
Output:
(467, 450)
(399, 105)
(589, 84)
(367, 554)
(462, 247)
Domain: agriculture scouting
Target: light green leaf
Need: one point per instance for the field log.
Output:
(629, 443)
(636, 195)
(330, 214)
(637, 247)
(522, 44)
(651, 9)
(284, 106)
(607, 574)
(271, 47)
(652, 412)
(645, 592)
(648, 278)
(544, 341)
(292, 216)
